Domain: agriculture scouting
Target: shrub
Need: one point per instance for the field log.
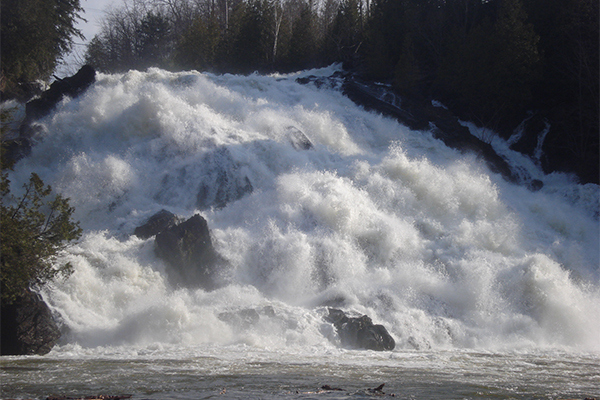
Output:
(35, 228)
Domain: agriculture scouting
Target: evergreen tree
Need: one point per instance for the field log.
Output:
(154, 39)
(345, 34)
(303, 42)
(35, 228)
(490, 67)
(250, 37)
(35, 35)
(199, 46)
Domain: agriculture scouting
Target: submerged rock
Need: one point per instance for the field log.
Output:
(28, 327)
(242, 319)
(187, 248)
(224, 181)
(535, 185)
(298, 139)
(360, 332)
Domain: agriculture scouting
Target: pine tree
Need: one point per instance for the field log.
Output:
(35, 35)
(36, 227)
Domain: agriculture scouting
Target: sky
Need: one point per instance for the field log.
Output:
(93, 13)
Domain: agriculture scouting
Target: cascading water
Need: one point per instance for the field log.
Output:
(371, 216)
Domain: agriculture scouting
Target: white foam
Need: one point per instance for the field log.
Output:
(385, 220)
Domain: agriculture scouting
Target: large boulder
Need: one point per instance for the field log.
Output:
(71, 86)
(28, 327)
(156, 224)
(187, 248)
(360, 332)
(20, 147)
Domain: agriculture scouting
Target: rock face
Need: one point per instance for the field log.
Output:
(28, 327)
(418, 114)
(360, 332)
(35, 109)
(157, 223)
(187, 248)
(71, 86)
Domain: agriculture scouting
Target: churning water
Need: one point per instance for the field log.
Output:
(489, 289)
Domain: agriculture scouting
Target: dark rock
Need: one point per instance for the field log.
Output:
(329, 82)
(156, 224)
(560, 154)
(298, 139)
(535, 185)
(187, 248)
(247, 317)
(360, 94)
(71, 86)
(529, 132)
(28, 327)
(224, 181)
(330, 388)
(243, 319)
(420, 114)
(360, 332)
(378, 389)
(305, 80)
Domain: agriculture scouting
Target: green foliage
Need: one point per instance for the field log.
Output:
(303, 41)
(252, 42)
(488, 70)
(345, 34)
(154, 33)
(35, 228)
(199, 46)
(35, 34)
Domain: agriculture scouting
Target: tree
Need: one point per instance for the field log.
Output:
(568, 90)
(34, 231)
(154, 37)
(303, 41)
(491, 65)
(35, 35)
(344, 37)
(199, 46)
(35, 228)
(250, 39)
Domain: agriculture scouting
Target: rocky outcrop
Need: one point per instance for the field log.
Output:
(28, 327)
(71, 86)
(156, 224)
(187, 248)
(420, 114)
(20, 147)
(360, 332)
(416, 114)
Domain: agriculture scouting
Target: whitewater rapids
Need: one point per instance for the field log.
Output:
(375, 218)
